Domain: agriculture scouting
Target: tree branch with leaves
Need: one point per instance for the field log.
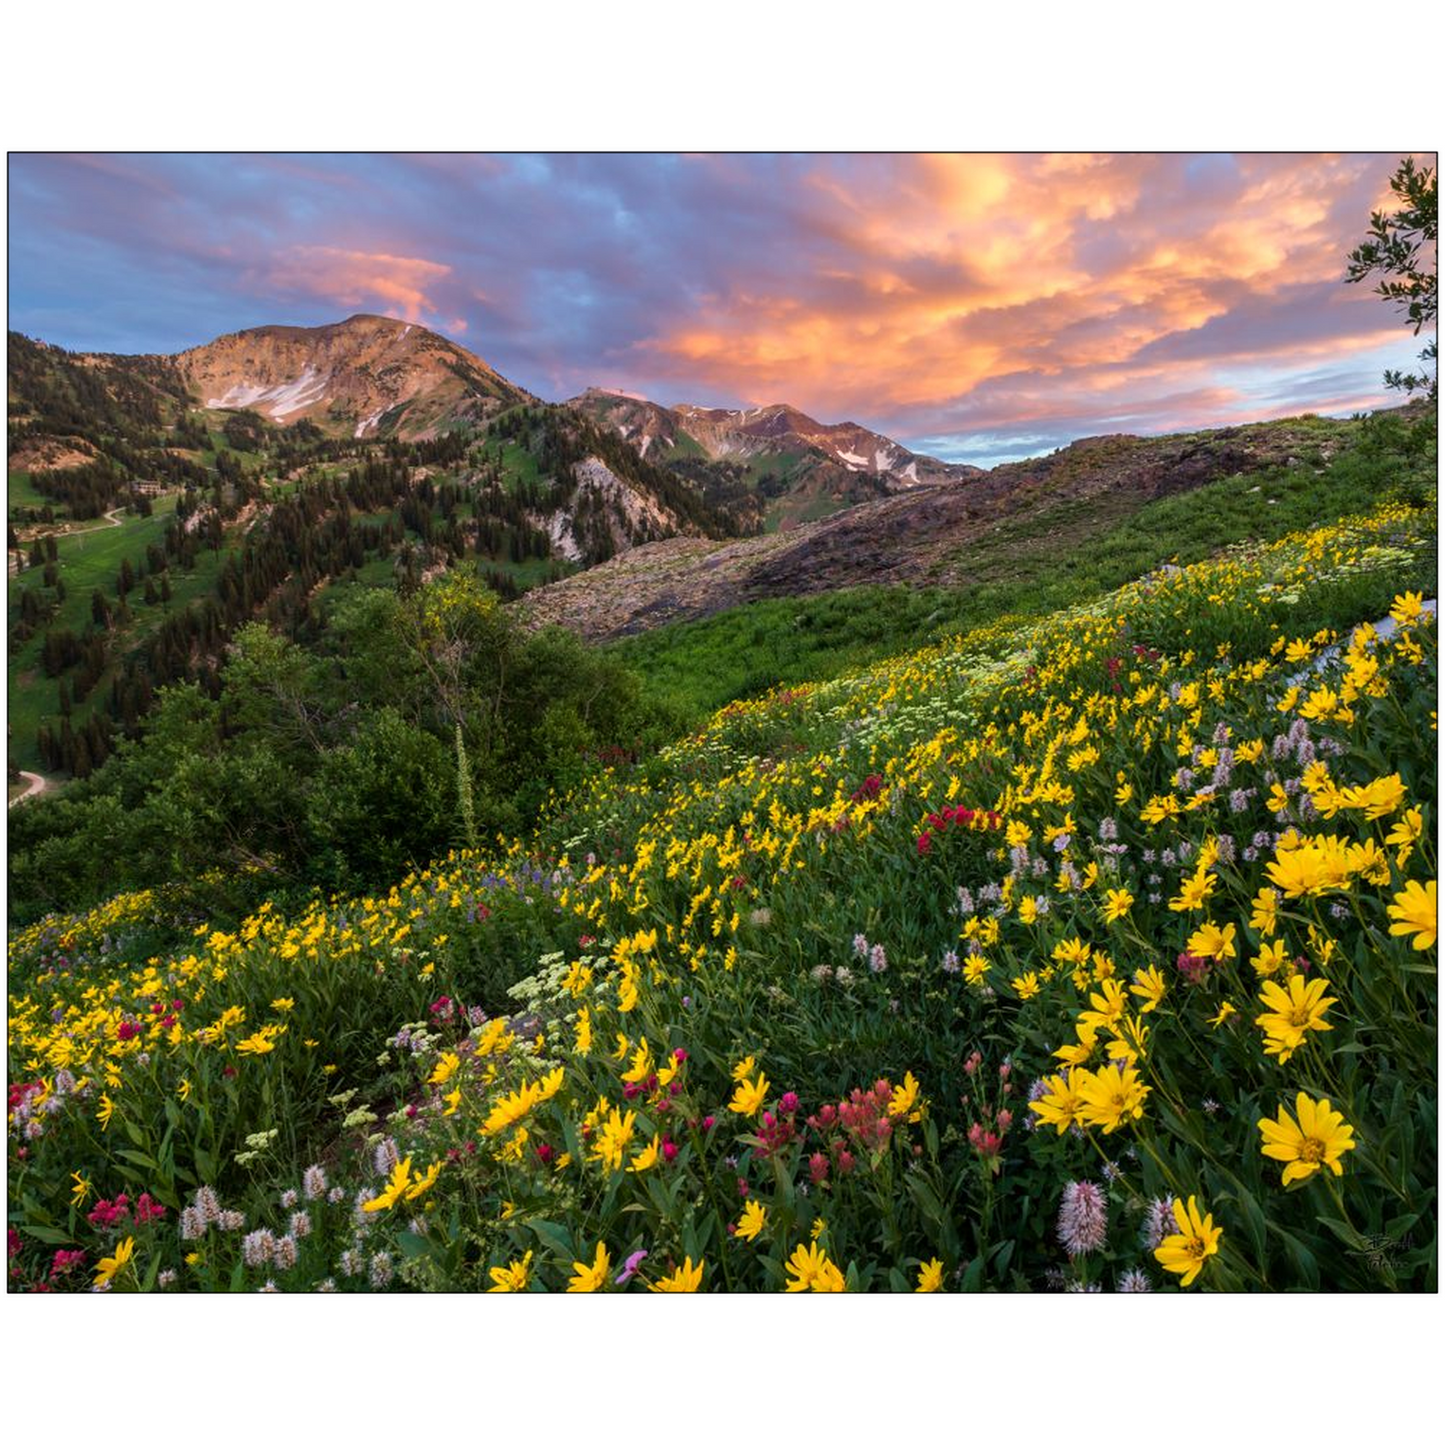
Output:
(1402, 249)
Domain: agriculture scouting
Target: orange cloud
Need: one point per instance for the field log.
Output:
(943, 272)
(397, 285)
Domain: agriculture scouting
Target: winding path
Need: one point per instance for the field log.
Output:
(37, 786)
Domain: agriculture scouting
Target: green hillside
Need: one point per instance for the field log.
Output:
(951, 972)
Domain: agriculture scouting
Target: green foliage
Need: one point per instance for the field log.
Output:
(336, 768)
(380, 803)
(1393, 251)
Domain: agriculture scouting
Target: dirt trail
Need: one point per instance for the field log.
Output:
(37, 786)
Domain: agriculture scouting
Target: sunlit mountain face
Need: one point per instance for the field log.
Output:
(973, 308)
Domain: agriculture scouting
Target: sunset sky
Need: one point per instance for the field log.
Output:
(977, 307)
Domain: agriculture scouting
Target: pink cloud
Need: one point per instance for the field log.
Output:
(399, 286)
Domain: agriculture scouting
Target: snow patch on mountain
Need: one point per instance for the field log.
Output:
(276, 401)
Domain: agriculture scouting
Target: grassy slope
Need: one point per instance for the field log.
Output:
(20, 491)
(1057, 554)
(87, 560)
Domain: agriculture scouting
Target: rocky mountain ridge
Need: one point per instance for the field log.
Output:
(922, 536)
(797, 469)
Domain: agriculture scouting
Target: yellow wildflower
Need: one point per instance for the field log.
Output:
(1319, 1137)
(1185, 1253)
(588, 1278)
(446, 1066)
(1111, 1096)
(1415, 914)
(511, 1278)
(810, 1269)
(755, 1216)
(396, 1186)
(749, 1095)
(685, 1279)
(108, 1268)
(930, 1277)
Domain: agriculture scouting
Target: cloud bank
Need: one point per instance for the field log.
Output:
(974, 306)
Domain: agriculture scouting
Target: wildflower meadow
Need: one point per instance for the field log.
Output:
(1091, 952)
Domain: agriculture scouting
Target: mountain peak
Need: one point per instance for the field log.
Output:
(364, 376)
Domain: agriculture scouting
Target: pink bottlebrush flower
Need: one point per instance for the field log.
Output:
(788, 1104)
(669, 1151)
(1083, 1217)
(818, 1168)
(845, 1162)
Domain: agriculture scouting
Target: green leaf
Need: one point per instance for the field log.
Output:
(413, 1246)
(45, 1234)
(556, 1237)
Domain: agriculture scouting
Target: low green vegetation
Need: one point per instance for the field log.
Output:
(1055, 555)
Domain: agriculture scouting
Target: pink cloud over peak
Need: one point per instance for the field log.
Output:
(394, 285)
